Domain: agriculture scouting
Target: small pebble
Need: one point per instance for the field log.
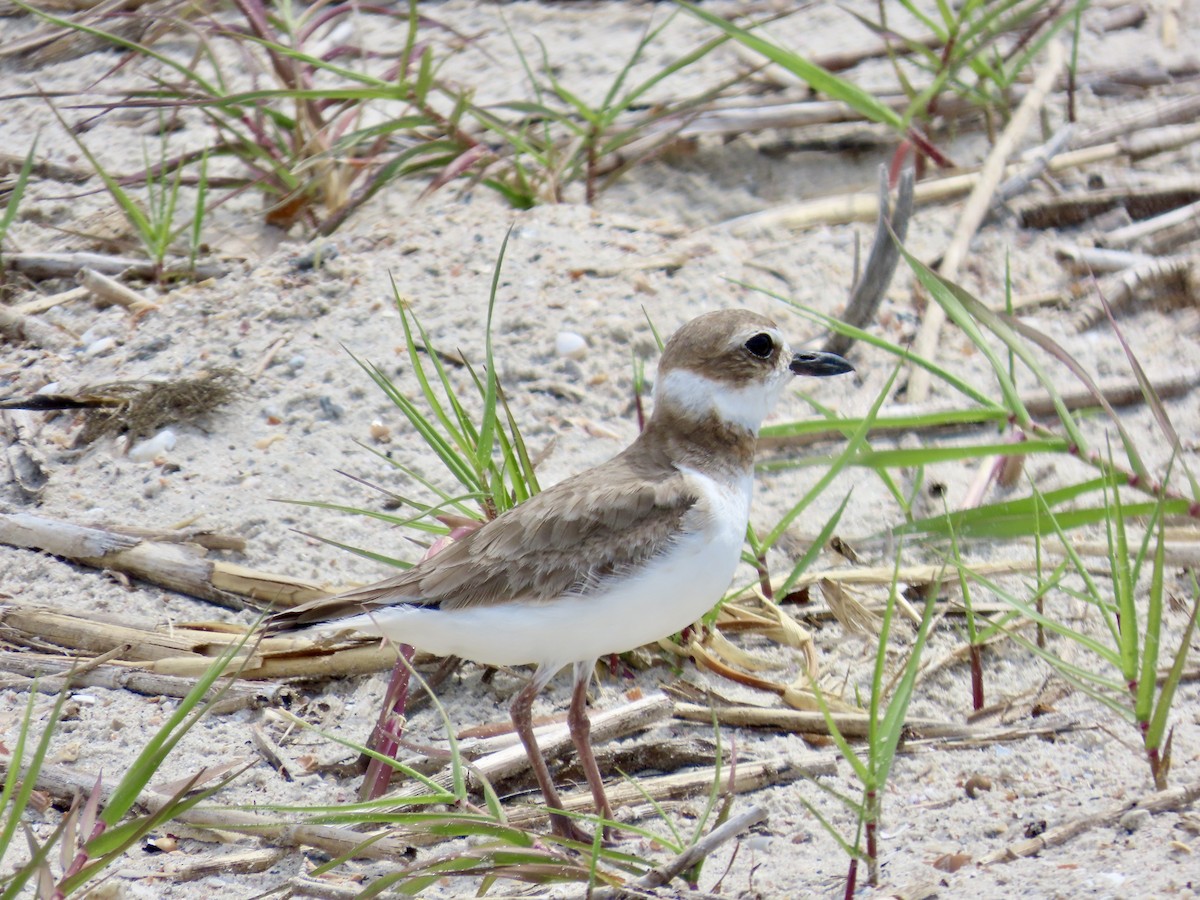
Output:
(315, 257)
(380, 433)
(93, 334)
(296, 363)
(151, 448)
(97, 348)
(977, 783)
(570, 345)
(51, 388)
(1135, 819)
(329, 409)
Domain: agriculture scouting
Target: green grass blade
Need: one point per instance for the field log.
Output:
(860, 768)
(818, 78)
(129, 206)
(191, 708)
(1010, 327)
(948, 419)
(445, 450)
(140, 51)
(1123, 591)
(1143, 706)
(15, 194)
(902, 353)
(1166, 695)
(851, 449)
(892, 727)
(954, 300)
(1100, 650)
(18, 786)
(815, 548)
(487, 427)
(903, 458)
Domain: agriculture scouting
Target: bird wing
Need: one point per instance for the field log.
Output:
(569, 537)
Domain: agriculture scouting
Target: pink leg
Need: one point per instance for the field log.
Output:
(522, 719)
(581, 732)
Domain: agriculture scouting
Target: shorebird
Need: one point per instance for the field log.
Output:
(618, 556)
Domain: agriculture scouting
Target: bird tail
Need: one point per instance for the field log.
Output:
(328, 610)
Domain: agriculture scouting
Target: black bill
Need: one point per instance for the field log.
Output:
(813, 362)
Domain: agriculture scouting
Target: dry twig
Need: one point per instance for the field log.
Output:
(864, 206)
(1159, 234)
(1140, 201)
(851, 724)
(52, 671)
(109, 291)
(1162, 283)
(38, 266)
(1160, 801)
(661, 875)
(175, 566)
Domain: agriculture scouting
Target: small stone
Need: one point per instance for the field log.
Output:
(1135, 819)
(322, 252)
(380, 433)
(102, 346)
(570, 345)
(296, 363)
(150, 449)
(977, 783)
(329, 409)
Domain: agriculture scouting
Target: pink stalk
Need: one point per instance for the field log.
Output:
(389, 730)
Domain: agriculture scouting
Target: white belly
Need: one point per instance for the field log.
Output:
(665, 596)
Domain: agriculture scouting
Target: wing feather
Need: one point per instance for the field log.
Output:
(534, 551)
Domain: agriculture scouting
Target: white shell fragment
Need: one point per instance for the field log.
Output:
(570, 345)
(101, 346)
(151, 448)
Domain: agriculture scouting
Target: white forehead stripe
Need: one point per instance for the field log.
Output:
(692, 392)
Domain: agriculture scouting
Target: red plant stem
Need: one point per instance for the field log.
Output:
(1156, 767)
(898, 159)
(872, 846)
(927, 148)
(976, 653)
(592, 162)
(943, 65)
(851, 879)
(764, 575)
(389, 729)
(79, 861)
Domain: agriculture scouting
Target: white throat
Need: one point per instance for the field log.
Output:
(700, 396)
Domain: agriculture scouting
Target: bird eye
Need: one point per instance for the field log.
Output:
(761, 345)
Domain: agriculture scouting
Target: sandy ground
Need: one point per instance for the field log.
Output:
(308, 415)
